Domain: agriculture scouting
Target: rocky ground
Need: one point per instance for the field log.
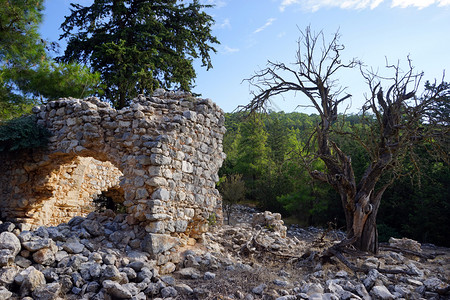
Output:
(100, 257)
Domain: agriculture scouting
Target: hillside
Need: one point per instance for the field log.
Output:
(90, 258)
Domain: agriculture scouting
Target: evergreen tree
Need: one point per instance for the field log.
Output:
(139, 45)
(27, 74)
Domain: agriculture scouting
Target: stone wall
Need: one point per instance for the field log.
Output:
(160, 156)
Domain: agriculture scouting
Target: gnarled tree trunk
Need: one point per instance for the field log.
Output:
(395, 121)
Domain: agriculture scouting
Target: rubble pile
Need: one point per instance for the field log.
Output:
(102, 257)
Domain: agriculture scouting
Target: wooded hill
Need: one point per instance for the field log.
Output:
(267, 151)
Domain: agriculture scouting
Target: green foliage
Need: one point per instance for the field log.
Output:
(19, 37)
(276, 178)
(420, 209)
(138, 45)
(22, 133)
(27, 74)
(52, 81)
(212, 219)
(232, 189)
(385, 232)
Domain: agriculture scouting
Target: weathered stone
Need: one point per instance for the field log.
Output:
(111, 273)
(169, 292)
(6, 257)
(7, 275)
(74, 247)
(116, 290)
(29, 280)
(381, 292)
(44, 256)
(258, 290)
(370, 279)
(183, 289)
(4, 293)
(7, 226)
(9, 241)
(158, 243)
(49, 291)
(405, 243)
(209, 276)
(37, 244)
(167, 268)
(93, 227)
(189, 273)
(434, 284)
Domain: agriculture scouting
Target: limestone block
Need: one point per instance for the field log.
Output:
(161, 194)
(158, 243)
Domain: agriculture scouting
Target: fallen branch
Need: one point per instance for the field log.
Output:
(338, 249)
(409, 252)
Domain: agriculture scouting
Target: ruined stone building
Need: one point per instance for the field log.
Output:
(159, 157)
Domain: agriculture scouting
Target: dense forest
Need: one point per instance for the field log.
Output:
(266, 150)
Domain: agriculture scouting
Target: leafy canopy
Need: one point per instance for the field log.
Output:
(139, 45)
(27, 73)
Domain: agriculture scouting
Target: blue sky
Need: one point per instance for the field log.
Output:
(253, 31)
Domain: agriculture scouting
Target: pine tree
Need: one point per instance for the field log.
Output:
(139, 45)
(27, 73)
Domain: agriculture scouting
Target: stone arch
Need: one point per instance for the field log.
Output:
(168, 148)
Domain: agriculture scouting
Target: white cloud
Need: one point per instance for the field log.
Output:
(225, 24)
(268, 23)
(418, 3)
(229, 50)
(314, 5)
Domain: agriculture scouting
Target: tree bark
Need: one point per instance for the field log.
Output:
(368, 239)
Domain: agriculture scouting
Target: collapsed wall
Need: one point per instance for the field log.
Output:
(159, 157)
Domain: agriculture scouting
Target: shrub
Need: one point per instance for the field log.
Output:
(22, 133)
(232, 189)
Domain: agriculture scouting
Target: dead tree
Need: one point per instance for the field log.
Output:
(398, 120)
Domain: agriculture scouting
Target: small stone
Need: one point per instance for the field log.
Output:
(47, 292)
(109, 259)
(74, 247)
(116, 290)
(7, 275)
(259, 289)
(169, 292)
(7, 227)
(341, 274)
(370, 279)
(9, 241)
(31, 279)
(209, 276)
(434, 284)
(189, 273)
(4, 293)
(144, 273)
(167, 268)
(312, 288)
(44, 257)
(381, 292)
(131, 273)
(111, 273)
(22, 262)
(183, 289)
(158, 243)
